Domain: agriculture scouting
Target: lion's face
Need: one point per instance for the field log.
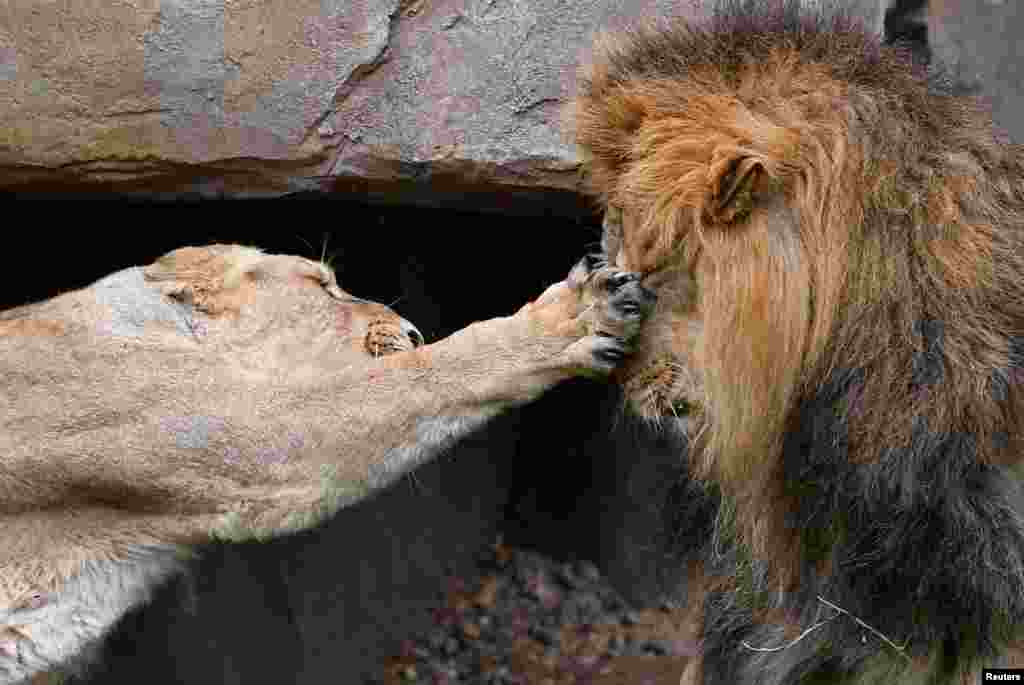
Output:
(662, 380)
(729, 214)
(732, 335)
(276, 312)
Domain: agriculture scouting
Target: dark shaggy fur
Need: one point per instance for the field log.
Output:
(871, 523)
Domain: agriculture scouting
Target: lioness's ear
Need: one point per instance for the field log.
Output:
(207, 278)
(735, 181)
(202, 296)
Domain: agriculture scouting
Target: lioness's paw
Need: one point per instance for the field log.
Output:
(595, 314)
(615, 306)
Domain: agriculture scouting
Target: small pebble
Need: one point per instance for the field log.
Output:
(616, 645)
(630, 618)
(683, 647)
(590, 606)
(471, 630)
(614, 603)
(588, 571)
(567, 576)
(543, 635)
(437, 640)
(666, 604)
(451, 647)
(499, 676)
(655, 647)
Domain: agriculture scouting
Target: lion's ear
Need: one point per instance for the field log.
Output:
(734, 184)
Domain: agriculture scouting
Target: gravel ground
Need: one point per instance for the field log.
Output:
(528, 620)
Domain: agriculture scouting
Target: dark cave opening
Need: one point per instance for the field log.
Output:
(445, 268)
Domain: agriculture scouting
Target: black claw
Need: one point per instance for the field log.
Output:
(619, 279)
(611, 355)
(635, 300)
(592, 261)
(629, 307)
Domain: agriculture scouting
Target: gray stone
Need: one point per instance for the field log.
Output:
(442, 102)
(978, 42)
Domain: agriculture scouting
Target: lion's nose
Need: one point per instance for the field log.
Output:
(411, 332)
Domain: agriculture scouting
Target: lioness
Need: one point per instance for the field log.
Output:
(222, 392)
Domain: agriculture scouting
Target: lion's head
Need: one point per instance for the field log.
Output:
(817, 214)
(276, 310)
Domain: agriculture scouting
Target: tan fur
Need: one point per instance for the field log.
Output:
(799, 213)
(225, 393)
(31, 327)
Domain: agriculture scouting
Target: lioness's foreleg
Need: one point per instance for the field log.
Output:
(405, 409)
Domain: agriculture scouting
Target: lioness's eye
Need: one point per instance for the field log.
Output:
(333, 290)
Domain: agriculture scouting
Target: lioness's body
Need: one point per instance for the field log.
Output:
(225, 393)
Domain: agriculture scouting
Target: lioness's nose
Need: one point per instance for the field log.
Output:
(411, 332)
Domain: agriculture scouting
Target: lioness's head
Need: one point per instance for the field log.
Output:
(808, 208)
(280, 310)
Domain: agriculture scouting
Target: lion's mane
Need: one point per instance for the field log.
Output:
(856, 233)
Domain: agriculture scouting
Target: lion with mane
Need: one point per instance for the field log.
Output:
(836, 237)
